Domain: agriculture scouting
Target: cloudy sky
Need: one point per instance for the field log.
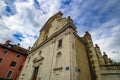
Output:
(21, 20)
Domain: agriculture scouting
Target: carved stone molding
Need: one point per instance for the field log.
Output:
(38, 59)
(58, 68)
(68, 32)
(53, 41)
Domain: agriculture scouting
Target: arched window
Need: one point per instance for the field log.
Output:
(58, 59)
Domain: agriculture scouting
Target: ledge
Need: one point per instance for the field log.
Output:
(36, 60)
(58, 68)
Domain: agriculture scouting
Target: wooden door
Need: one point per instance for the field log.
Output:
(35, 72)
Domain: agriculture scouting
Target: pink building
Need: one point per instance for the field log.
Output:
(12, 58)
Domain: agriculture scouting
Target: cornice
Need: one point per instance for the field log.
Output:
(15, 49)
(80, 38)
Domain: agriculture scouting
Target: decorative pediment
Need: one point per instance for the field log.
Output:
(37, 59)
(52, 19)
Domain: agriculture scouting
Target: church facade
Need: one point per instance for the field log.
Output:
(61, 54)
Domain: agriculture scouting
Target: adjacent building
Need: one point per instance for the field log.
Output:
(61, 54)
(12, 58)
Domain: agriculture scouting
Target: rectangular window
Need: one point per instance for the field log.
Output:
(9, 73)
(60, 43)
(5, 51)
(1, 59)
(13, 64)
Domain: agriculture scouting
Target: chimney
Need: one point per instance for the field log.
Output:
(7, 42)
(29, 48)
(18, 44)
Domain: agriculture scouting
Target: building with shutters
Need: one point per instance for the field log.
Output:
(12, 58)
(61, 54)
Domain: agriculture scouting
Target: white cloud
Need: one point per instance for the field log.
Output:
(2, 6)
(108, 38)
(26, 21)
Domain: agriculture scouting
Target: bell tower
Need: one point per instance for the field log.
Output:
(99, 55)
(93, 61)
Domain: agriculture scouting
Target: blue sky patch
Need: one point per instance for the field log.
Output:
(36, 4)
(0, 17)
(66, 2)
(9, 11)
(35, 37)
(18, 36)
(103, 18)
(24, 0)
(9, 2)
(10, 7)
(45, 12)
